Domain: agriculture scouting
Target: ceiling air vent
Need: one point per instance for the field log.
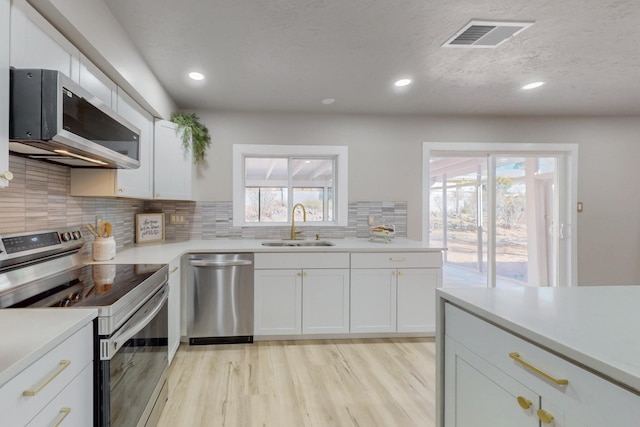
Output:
(485, 34)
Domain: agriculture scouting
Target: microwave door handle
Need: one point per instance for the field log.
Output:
(125, 335)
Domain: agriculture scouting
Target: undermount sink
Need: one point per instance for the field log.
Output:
(296, 243)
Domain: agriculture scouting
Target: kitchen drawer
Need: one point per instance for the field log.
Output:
(583, 395)
(396, 260)
(49, 375)
(301, 260)
(73, 407)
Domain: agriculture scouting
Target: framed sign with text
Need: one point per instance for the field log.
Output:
(149, 227)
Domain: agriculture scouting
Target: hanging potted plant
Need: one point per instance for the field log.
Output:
(195, 135)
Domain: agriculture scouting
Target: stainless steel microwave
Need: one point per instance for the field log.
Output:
(54, 119)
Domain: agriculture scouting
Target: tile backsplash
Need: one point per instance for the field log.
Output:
(38, 199)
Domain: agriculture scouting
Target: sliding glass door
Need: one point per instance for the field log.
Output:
(502, 216)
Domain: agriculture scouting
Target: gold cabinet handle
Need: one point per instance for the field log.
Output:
(298, 274)
(64, 364)
(174, 270)
(399, 259)
(516, 357)
(524, 402)
(65, 413)
(544, 416)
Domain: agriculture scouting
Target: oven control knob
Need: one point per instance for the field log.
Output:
(76, 235)
(66, 236)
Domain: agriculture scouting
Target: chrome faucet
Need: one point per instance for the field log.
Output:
(304, 218)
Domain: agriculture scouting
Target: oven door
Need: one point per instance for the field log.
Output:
(133, 367)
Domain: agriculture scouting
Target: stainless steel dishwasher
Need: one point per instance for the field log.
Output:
(219, 298)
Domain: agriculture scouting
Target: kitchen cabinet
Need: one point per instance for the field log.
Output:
(495, 378)
(97, 83)
(5, 10)
(35, 43)
(173, 164)
(57, 385)
(174, 307)
(131, 183)
(301, 293)
(394, 292)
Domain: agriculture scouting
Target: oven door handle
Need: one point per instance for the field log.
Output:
(146, 314)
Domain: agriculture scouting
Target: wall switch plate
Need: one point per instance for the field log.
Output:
(177, 219)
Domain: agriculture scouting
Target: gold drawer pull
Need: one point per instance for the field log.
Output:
(65, 413)
(524, 402)
(174, 270)
(516, 357)
(64, 364)
(399, 259)
(544, 416)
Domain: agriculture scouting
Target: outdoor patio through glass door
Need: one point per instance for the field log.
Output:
(498, 215)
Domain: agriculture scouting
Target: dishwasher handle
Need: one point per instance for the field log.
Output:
(208, 263)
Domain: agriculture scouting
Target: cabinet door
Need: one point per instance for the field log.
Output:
(35, 43)
(417, 299)
(278, 302)
(173, 164)
(137, 183)
(325, 301)
(97, 83)
(481, 395)
(4, 89)
(174, 307)
(373, 300)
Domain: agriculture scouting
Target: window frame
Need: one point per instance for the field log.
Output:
(340, 187)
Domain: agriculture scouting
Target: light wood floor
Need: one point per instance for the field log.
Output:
(365, 383)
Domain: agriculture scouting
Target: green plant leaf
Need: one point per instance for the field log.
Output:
(195, 135)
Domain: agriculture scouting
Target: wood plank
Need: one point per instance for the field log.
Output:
(315, 383)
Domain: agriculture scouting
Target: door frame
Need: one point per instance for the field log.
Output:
(567, 178)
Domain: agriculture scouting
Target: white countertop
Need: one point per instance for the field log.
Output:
(597, 327)
(29, 333)
(163, 253)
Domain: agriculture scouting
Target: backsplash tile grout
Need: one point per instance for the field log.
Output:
(38, 199)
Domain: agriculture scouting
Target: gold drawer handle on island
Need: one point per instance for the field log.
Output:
(65, 413)
(398, 259)
(516, 357)
(64, 364)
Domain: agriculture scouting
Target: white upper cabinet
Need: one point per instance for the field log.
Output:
(173, 164)
(4, 90)
(97, 83)
(35, 43)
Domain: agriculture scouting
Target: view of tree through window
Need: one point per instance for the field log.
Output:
(270, 180)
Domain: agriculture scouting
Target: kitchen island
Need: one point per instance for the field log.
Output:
(538, 356)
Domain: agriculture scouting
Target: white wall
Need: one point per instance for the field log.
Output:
(385, 164)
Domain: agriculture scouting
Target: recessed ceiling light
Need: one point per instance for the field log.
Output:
(194, 75)
(532, 85)
(328, 101)
(402, 82)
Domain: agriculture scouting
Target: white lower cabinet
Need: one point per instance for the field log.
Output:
(59, 384)
(174, 307)
(493, 378)
(278, 302)
(301, 293)
(4, 90)
(394, 292)
(72, 407)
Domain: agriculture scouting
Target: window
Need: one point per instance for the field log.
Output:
(268, 180)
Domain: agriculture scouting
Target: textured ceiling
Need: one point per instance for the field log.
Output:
(288, 55)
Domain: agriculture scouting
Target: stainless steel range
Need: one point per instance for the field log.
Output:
(44, 269)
